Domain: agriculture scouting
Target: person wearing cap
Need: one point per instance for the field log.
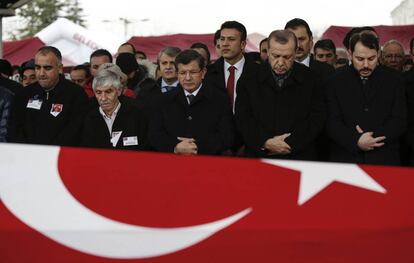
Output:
(27, 73)
(137, 75)
(113, 123)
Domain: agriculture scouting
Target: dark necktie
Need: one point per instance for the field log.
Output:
(190, 98)
(167, 88)
(230, 84)
(365, 86)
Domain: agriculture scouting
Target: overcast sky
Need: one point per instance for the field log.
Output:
(157, 17)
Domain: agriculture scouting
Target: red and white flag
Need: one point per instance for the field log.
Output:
(82, 205)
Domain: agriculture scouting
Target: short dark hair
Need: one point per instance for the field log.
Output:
(141, 53)
(84, 68)
(129, 44)
(297, 22)
(203, 46)
(325, 44)
(353, 31)
(262, 41)
(101, 53)
(49, 49)
(216, 37)
(282, 37)
(189, 55)
(235, 25)
(368, 40)
(29, 64)
(412, 45)
(5, 67)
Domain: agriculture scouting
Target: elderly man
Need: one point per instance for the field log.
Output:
(393, 55)
(195, 118)
(366, 106)
(49, 111)
(113, 124)
(280, 112)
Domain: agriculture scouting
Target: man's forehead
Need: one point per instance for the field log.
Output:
(100, 59)
(105, 88)
(360, 49)
(45, 59)
(323, 51)
(192, 65)
(275, 46)
(393, 47)
(166, 57)
(228, 32)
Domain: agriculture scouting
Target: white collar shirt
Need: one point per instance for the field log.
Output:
(109, 120)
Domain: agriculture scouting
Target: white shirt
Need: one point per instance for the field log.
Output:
(109, 120)
(237, 73)
(164, 83)
(306, 61)
(193, 93)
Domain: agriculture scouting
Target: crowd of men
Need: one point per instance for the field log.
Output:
(344, 105)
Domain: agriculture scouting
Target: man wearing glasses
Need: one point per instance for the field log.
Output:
(194, 118)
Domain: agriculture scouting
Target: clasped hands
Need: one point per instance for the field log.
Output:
(277, 145)
(367, 142)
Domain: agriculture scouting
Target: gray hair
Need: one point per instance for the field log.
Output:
(282, 37)
(393, 41)
(106, 78)
(169, 51)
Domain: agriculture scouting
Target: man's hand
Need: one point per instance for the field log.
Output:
(277, 145)
(186, 146)
(367, 142)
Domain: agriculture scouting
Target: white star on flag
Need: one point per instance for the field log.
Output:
(315, 176)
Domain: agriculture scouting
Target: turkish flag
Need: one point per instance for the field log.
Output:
(150, 207)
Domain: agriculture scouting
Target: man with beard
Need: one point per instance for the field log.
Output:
(366, 107)
(280, 111)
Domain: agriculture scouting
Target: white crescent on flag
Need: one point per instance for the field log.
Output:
(31, 188)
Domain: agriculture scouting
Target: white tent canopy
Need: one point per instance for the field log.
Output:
(75, 42)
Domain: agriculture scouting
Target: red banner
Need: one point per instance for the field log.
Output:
(81, 205)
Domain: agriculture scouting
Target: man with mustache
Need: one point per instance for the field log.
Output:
(304, 36)
(51, 110)
(366, 107)
(280, 111)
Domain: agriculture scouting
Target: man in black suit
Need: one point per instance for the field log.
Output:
(113, 124)
(168, 80)
(304, 35)
(281, 113)
(367, 107)
(195, 118)
(232, 67)
(408, 141)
